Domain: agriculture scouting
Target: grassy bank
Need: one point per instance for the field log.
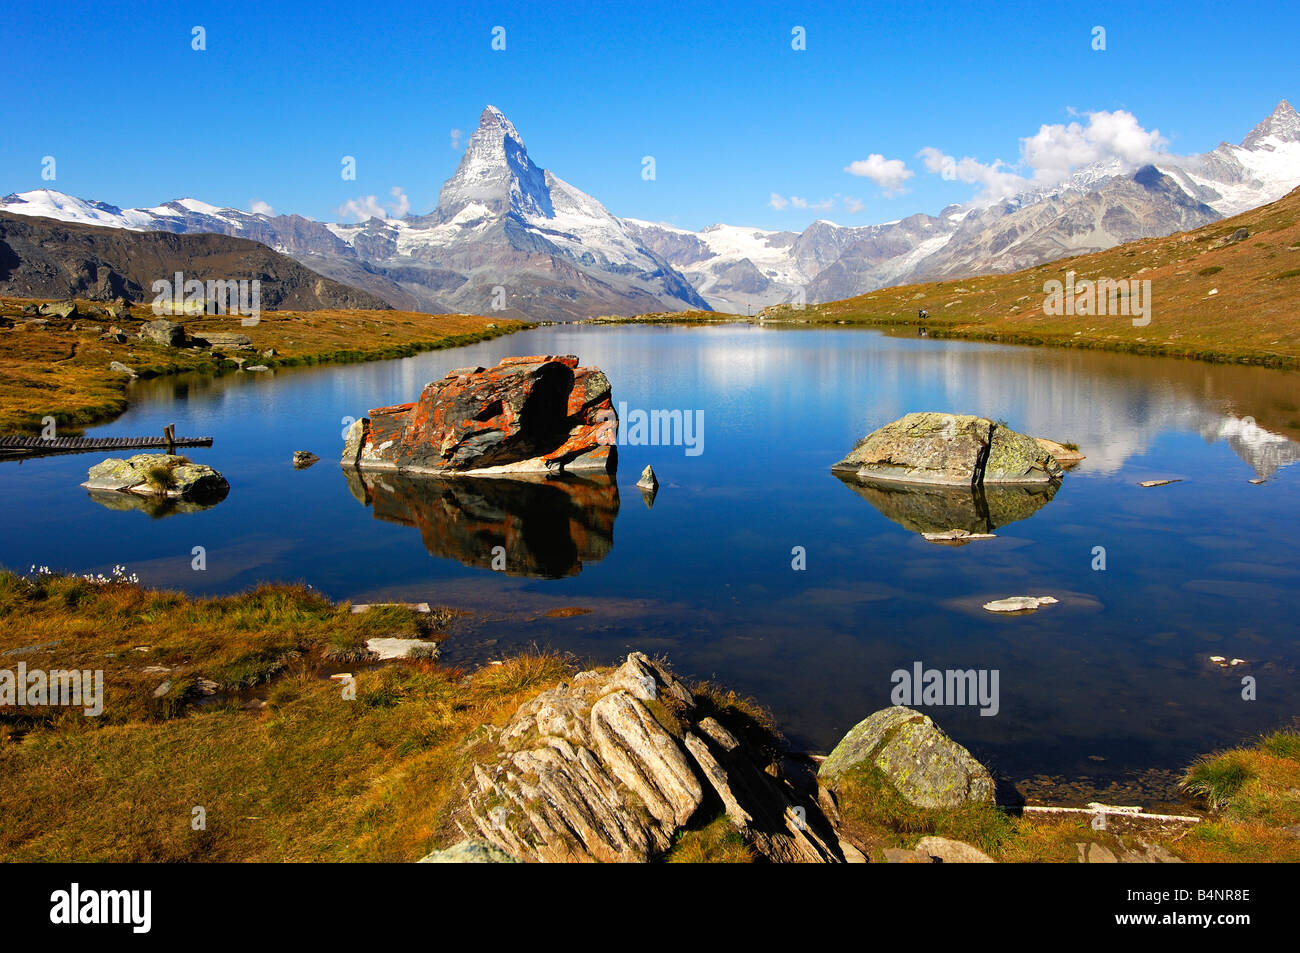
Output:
(59, 367)
(1249, 798)
(226, 704)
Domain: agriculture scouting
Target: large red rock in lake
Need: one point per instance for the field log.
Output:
(539, 414)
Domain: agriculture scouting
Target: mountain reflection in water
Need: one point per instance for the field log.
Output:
(548, 527)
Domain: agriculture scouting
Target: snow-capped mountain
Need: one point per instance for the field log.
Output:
(1099, 206)
(502, 222)
(504, 226)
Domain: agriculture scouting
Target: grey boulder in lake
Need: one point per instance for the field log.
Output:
(949, 450)
(160, 475)
(924, 765)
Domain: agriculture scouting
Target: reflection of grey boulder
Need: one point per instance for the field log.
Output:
(949, 450)
(925, 766)
(152, 506)
(937, 509)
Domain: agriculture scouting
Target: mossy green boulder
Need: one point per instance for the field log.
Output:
(949, 450)
(161, 475)
(924, 765)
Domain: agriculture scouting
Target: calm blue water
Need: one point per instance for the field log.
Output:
(1109, 683)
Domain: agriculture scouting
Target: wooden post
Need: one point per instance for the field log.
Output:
(169, 434)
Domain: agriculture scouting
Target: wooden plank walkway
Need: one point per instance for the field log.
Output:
(23, 446)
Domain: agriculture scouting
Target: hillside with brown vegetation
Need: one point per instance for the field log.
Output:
(59, 367)
(1216, 295)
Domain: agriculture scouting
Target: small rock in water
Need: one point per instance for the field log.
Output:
(1222, 662)
(1157, 482)
(648, 480)
(302, 459)
(257, 368)
(1257, 481)
(1020, 603)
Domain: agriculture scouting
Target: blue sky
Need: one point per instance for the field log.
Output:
(730, 112)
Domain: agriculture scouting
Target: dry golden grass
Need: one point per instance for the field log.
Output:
(717, 842)
(57, 372)
(286, 767)
(309, 776)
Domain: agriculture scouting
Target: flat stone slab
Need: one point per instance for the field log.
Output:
(1020, 603)
(958, 536)
(468, 852)
(949, 851)
(390, 648)
(360, 607)
(1157, 482)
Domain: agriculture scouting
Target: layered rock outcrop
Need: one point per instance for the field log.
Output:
(538, 414)
(949, 450)
(611, 765)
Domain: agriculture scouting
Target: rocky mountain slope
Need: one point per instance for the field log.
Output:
(44, 258)
(510, 236)
(507, 236)
(1099, 207)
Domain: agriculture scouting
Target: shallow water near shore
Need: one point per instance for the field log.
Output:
(1109, 691)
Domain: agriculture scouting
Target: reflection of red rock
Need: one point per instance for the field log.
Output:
(527, 414)
(547, 527)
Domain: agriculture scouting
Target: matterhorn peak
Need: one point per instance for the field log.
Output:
(495, 173)
(1283, 124)
(493, 122)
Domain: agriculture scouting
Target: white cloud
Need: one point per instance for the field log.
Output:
(368, 206)
(889, 174)
(1053, 153)
(779, 202)
(852, 205)
(258, 207)
(994, 183)
(1057, 150)
(455, 138)
(401, 204)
